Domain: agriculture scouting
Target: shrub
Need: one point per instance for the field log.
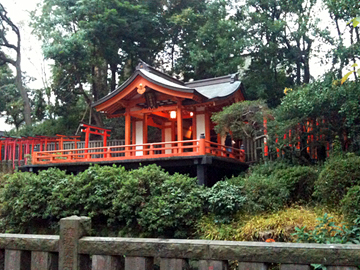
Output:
(146, 201)
(299, 180)
(273, 186)
(224, 200)
(173, 208)
(326, 232)
(338, 175)
(351, 204)
(135, 191)
(26, 197)
(279, 225)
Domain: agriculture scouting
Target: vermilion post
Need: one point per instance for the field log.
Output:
(266, 147)
(179, 126)
(127, 131)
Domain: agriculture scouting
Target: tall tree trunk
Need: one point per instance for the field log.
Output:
(24, 95)
(113, 68)
(16, 63)
(95, 115)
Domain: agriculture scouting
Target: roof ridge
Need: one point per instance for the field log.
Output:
(226, 78)
(147, 67)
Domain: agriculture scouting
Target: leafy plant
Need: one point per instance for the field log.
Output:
(340, 173)
(327, 232)
(351, 204)
(224, 200)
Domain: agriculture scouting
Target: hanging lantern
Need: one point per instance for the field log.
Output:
(172, 114)
(191, 114)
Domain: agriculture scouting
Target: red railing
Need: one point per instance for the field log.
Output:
(138, 151)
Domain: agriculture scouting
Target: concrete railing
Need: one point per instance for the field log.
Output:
(72, 250)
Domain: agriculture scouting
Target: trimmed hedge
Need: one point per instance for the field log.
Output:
(339, 174)
(274, 186)
(144, 202)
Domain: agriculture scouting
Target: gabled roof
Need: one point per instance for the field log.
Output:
(204, 90)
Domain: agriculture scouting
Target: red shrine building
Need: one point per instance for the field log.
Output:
(181, 110)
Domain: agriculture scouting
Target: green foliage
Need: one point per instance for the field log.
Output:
(25, 198)
(273, 186)
(340, 173)
(224, 200)
(278, 225)
(244, 119)
(324, 110)
(146, 201)
(327, 232)
(216, 44)
(173, 208)
(350, 204)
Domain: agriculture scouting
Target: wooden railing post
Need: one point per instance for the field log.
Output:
(71, 230)
(202, 145)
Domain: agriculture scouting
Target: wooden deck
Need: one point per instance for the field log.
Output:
(186, 148)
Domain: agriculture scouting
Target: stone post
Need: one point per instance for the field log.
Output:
(17, 260)
(71, 230)
(252, 266)
(213, 265)
(44, 260)
(172, 264)
(138, 263)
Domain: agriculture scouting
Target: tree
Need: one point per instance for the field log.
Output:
(317, 114)
(281, 35)
(244, 119)
(5, 23)
(88, 38)
(216, 45)
(11, 104)
(343, 13)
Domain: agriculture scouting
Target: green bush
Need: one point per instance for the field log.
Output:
(351, 204)
(299, 180)
(224, 200)
(26, 198)
(135, 192)
(147, 201)
(338, 175)
(273, 186)
(173, 208)
(327, 232)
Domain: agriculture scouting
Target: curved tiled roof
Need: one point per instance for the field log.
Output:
(208, 89)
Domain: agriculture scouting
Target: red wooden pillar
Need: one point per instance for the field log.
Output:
(87, 138)
(127, 132)
(145, 129)
(194, 126)
(105, 139)
(145, 132)
(5, 150)
(133, 132)
(14, 154)
(32, 146)
(20, 152)
(207, 125)
(266, 147)
(1, 144)
(179, 126)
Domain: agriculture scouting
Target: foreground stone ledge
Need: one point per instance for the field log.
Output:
(289, 253)
(48, 243)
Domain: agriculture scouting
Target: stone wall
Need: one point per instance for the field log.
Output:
(73, 250)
